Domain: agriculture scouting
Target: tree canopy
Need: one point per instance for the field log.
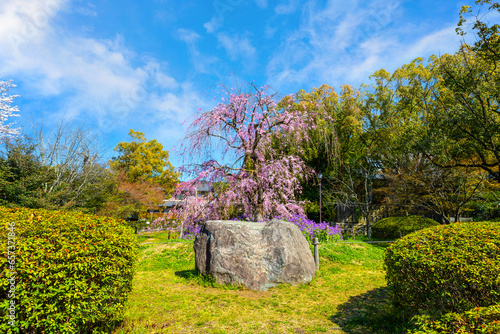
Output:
(261, 181)
(143, 160)
(424, 137)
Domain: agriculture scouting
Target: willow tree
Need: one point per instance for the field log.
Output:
(334, 147)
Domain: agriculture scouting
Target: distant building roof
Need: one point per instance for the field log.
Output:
(169, 203)
(202, 186)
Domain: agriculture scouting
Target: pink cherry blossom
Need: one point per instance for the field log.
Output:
(258, 180)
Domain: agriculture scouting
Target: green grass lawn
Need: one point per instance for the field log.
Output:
(348, 295)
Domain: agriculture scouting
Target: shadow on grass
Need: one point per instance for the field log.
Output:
(187, 274)
(194, 276)
(381, 245)
(205, 280)
(371, 312)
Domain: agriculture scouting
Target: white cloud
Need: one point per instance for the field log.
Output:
(87, 9)
(261, 3)
(345, 42)
(188, 36)
(176, 106)
(287, 8)
(96, 80)
(201, 62)
(270, 31)
(237, 47)
(25, 21)
(439, 42)
(213, 25)
(92, 71)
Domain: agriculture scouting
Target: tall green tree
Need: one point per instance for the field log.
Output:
(23, 178)
(28, 182)
(406, 127)
(143, 160)
(465, 121)
(73, 155)
(449, 191)
(395, 114)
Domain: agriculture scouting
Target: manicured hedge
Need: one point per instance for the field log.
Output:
(73, 271)
(396, 227)
(479, 320)
(447, 268)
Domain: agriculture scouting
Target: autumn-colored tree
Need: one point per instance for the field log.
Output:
(129, 198)
(142, 160)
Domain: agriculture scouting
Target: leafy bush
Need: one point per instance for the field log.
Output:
(73, 271)
(478, 320)
(448, 268)
(396, 227)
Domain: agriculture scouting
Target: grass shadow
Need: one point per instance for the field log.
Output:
(205, 280)
(187, 274)
(194, 276)
(381, 245)
(370, 312)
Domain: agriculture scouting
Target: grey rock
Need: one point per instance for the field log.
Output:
(256, 255)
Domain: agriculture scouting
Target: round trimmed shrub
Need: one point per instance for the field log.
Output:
(446, 268)
(478, 320)
(73, 271)
(396, 227)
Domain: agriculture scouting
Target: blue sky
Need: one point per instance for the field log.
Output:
(149, 65)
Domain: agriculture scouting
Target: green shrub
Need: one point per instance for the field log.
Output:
(74, 271)
(396, 227)
(479, 320)
(448, 268)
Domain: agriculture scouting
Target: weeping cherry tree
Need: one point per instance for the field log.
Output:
(253, 179)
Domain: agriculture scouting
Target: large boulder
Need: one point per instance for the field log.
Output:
(256, 255)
